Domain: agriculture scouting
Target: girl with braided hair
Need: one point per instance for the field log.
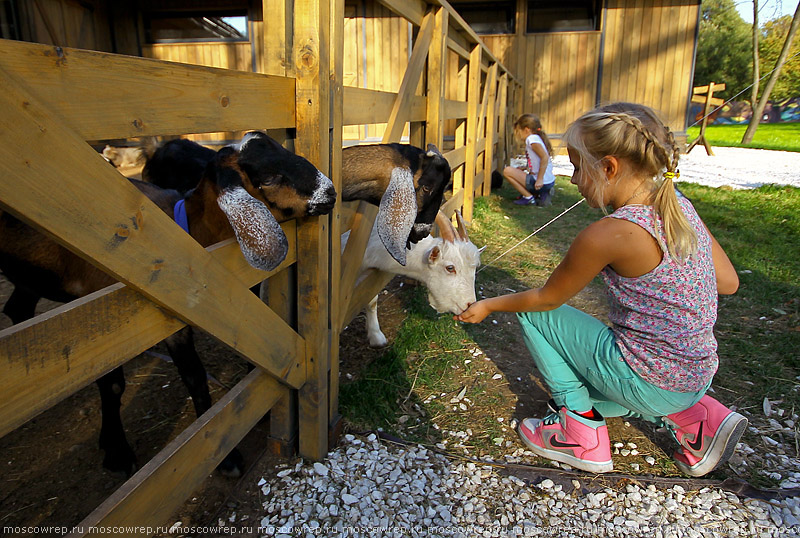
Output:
(663, 271)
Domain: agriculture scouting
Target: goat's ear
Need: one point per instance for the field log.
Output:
(433, 151)
(434, 254)
(397, 213)
(260, 237)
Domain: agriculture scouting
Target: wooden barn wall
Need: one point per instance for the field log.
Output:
(644, 54)
(237, 56)
(648, 55)
(66, 23)
(376, 51)
(558, 73)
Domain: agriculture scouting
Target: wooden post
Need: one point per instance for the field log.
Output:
(279, 291)
(337, 105)
(708, 101)
(437, 56)
(312, 107)
(502, 119)
(461, 126)
(473, 104)
(491, 131)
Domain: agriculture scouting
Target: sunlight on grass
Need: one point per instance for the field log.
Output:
(775, 136)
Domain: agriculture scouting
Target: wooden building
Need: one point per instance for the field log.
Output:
(573, 55)
(568, 56)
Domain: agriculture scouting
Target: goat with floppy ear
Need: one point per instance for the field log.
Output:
(244, 191)
(405, 182)
(446, 265)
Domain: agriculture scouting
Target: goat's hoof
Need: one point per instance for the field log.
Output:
(120, 466)
(233, 465)
(377, 341)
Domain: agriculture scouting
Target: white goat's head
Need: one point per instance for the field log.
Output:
(452, 260)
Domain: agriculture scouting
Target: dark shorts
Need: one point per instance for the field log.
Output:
(530, 182)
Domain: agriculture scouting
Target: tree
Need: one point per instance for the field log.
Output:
(724, 47)
(773, 35)
(756, 73)
(759, 108)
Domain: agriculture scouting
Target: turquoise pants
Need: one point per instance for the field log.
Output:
(579, 360)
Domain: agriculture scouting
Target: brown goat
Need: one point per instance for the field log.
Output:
(244, 191)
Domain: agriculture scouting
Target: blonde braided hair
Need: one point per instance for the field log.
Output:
(635, 133)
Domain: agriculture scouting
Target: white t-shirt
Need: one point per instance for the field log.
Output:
(534, 160)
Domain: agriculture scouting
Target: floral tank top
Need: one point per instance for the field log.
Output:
(664, 320)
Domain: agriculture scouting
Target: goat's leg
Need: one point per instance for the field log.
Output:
(21, 305)
(119, 456)
(376, 337)
(193, 373)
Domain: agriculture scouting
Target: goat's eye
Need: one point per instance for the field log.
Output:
(451, 269)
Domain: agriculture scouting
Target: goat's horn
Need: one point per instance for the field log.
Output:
(462, 228)
(446, 230)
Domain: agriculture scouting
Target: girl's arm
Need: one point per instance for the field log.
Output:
(727, 278)
(594, 248)
(543, 160)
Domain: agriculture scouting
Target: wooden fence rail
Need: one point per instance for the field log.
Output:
(54, 100)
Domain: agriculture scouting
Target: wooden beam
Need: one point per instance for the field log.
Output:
(103, 96)
(411, 10)
(454, 109)
(366, 288)
(162, 485)
(456, 157)
(353, 255)
(51, 176)
(402, 105)
(362, 106)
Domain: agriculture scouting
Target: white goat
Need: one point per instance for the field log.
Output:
(446, 265)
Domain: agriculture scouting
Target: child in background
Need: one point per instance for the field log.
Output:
(663, 271)
(536, 184)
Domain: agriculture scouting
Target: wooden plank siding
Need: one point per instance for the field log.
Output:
(642, 53)
(649, 47)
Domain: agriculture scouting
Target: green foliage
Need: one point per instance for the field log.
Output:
(724, 48)
(778, 136)
(773, 35)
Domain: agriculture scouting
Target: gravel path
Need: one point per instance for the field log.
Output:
(369, 487)
(739, 168)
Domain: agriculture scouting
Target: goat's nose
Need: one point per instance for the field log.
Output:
(322, 204)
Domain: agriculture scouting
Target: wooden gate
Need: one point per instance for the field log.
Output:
(56, 99)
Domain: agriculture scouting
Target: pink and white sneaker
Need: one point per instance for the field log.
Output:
(707, 432)
(569, 438)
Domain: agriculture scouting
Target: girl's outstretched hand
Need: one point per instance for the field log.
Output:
(475, 313)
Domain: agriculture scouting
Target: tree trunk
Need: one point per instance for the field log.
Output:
(773, 78)
(756, 73)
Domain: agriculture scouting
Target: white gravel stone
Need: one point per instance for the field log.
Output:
(421, 493)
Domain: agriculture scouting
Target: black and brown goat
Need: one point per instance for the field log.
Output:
(407, 183)
(244, 191)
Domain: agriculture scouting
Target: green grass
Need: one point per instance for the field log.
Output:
(777, 136)
(409, 387)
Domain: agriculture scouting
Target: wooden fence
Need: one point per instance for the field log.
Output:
(55, 99)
